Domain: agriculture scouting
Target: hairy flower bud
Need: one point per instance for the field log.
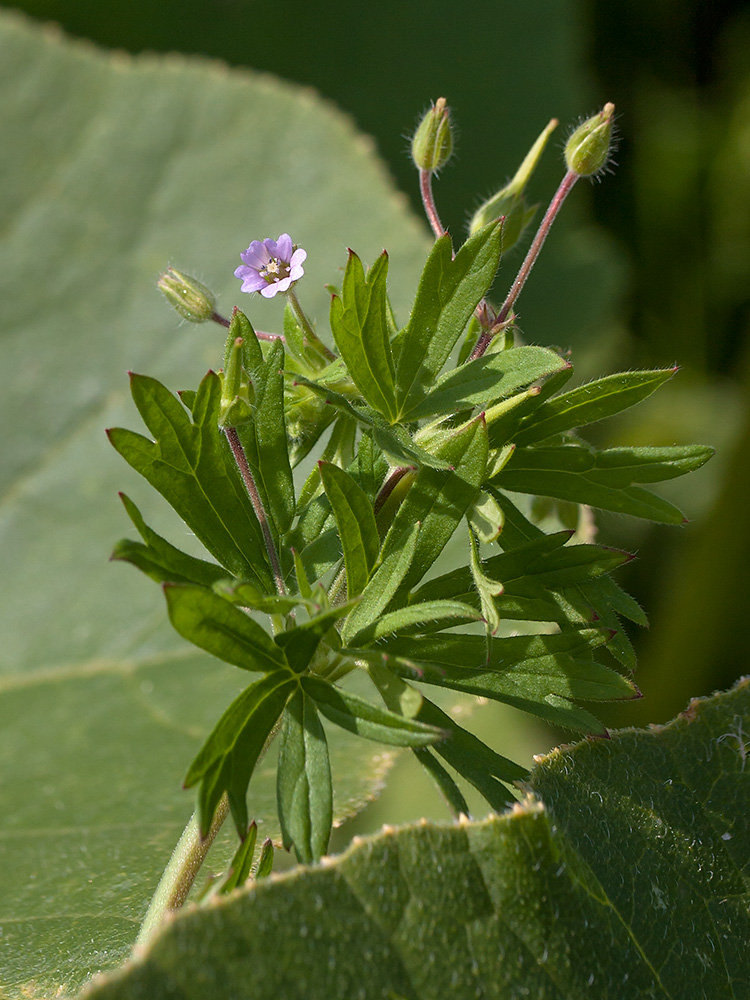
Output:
(432, 145)
(587, 150)
(509, 200)
(187, 295)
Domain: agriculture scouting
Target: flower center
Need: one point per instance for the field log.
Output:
(274, 270)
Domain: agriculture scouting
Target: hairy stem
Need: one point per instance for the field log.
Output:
(181, 872)
(186, 861)
(252, 491)
(566, 186)
(428, 200)
(260, 334)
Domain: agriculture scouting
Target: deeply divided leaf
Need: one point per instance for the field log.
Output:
(360, 329)
(191, 466)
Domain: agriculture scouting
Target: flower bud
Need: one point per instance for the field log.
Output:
(187, 295)
(432, 145)
(587, 150)
(509, 200)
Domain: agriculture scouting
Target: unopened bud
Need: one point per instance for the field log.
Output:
(187, 295)
(509, 201)
(432, 145)
(587, 150)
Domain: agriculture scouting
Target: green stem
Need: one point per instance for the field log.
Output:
(186, 861)
(308, 333)
(181, 872)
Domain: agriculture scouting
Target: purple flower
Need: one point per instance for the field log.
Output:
(271, 266)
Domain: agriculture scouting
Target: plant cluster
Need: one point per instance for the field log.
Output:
(445, 424)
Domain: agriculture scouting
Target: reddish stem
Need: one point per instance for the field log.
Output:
(425, 189)
(389, 485)
(252, 491)
(566, 186)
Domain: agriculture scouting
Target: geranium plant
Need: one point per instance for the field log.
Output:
(445, 423)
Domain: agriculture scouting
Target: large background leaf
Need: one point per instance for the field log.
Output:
(118, 167)
(602, 884)
(543, 71)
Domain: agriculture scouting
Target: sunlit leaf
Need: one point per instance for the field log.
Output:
(589, 403)
(360, 329)
(449, 291)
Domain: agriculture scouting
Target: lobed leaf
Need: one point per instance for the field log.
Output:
(365, 719)
(530, 572)
(190, 465)
(449, 291)
(577, 602)
(486, 380)
(540, 674)
(571, 472)
(360, 330)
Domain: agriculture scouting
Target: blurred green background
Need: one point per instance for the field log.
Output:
(648, 268)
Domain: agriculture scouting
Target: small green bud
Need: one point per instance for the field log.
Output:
(432, 145)
(187, 295)
(587, 150)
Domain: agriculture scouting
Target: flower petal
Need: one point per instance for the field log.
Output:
(284, 247)
(255, 259)
(270, 290)
(251, 280)
(298, 257)
(271, 248)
